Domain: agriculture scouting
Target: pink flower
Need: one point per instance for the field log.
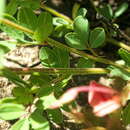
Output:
(103, 103)
(102, 99)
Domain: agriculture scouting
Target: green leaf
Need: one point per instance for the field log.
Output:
(45, 91)
(119, 73)
(126, 115)
(106, 11)
(62, 58)
(47, 57)
(85, 63)
(40, 80)
(121, 9)
(97, 37)
(32, 4)
(54, 57)
(81, 27)
(10, 111)
(8, 100)
(26, 17)
(12, 76)
(20, 92)
(28, 99)
(38, 122)
(74, 40)
(45, 101)
(5, 46)
(44, 27)
(125, 55)
(61, 31)
(82, 12)
(12, 7)
(79, 38)
(59, 21)
(10, 31)
(8, 44)
(62, 83)
(2, 7)
(22, 124)
(55, 115)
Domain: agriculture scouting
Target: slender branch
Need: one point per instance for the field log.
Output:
(115, 28)
(12, 24)
(123, 34)
(75, 8)
(120, 44)
(53, 71)
(52, 11)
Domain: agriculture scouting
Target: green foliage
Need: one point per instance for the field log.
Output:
(45, 101)
(62, 27)
(106, 11)
(44, 27)
(125, 55)
(11, 8)
(79, 38)
(26, 17)
(32, 4)
(22, 124)
(12, 32)
(5, 47)
(54, 57)
(85, 63)
(12, 76)
(10, 111)
(61, 30)
(8, 100)
(59, 21)
(126, 115)
(121, 9)
(81, 27)
(116, 72)
(2, 6)
(32, 95)
(38, 121)
(20, 92)
(55, 115)
(82, 12)
(97, 37)
(73, 40)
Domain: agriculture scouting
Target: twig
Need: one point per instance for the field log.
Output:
(54, 71)
(54, 12)
(120, 44)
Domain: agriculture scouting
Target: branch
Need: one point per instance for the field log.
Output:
(52, 11)
(54, 71)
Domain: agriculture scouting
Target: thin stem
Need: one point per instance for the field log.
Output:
(12, 24)
(66, 71)
(94, 7)
(75, 9)
(123, 34)
(120, 44)
(54, 12)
